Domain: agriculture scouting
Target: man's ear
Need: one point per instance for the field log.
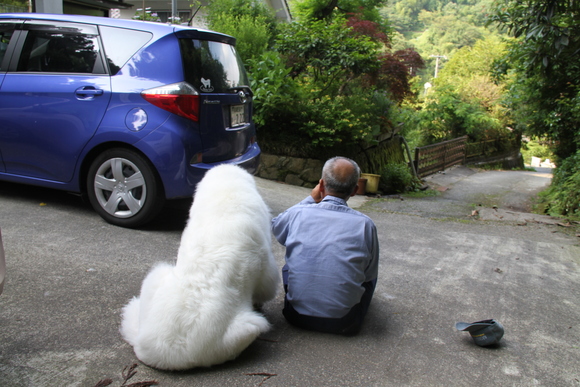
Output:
(321, 188)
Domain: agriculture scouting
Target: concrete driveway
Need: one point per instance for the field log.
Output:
(69, 273)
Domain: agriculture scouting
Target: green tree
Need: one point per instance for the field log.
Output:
(341, 81)
(544, 94)
(325, 83)
(437, 27)
(319, 103)
(328, 53)
(544, 65)
(326, 9)
(250, 22)
(446, 34)
(449, 114)
(465, 99)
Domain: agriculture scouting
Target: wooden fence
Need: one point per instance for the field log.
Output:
(438, 157)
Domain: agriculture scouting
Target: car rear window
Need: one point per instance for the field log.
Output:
(212, 67)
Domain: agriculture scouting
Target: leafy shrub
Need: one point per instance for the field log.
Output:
(294, 117)
(274, 91)
(396, 178)
(447, 115)
(562, 198)
(322, 85)
(330, 121)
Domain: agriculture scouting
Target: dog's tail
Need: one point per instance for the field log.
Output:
(130, 321)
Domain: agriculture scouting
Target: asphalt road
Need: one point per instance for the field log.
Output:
(471, 252)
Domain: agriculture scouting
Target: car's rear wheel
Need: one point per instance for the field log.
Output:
(123, 188)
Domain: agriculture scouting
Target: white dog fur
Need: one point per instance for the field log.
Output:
(199, 312)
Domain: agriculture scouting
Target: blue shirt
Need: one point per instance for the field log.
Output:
(331, 250)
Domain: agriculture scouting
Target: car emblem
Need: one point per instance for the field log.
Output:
(243, 97)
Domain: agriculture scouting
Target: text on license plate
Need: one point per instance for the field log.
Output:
(237, 115)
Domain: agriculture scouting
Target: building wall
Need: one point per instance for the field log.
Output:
(163, 9)
(185, 10)
(49, 6)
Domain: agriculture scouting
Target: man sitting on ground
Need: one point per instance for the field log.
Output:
(332, 254)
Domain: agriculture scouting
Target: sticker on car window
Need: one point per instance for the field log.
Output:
(206, 86)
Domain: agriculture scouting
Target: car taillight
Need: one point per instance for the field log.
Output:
(178, 98)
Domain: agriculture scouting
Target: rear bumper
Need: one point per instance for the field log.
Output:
(195, 172)
(249, 161)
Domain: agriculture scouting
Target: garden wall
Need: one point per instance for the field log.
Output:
(290, 170)
(307, 172)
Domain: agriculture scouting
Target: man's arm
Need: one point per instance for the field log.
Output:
(372, 270)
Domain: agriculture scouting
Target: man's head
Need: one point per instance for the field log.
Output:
(340, 177)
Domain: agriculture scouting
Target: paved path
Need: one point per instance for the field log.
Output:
(69, 273)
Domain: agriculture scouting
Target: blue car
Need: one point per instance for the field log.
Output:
(130, 113)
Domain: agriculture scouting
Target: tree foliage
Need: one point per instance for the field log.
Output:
(465, 100)
(563, 195)
(250, 22)
(327, 9)
(543, 68)
(437, 27)
(328, 52)
(549, 29)
(339, 82)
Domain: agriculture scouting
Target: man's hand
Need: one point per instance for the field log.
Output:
(317, 193)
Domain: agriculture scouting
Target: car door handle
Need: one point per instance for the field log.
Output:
(87, 92)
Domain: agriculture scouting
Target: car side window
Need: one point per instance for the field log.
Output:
(121, 44)
(54, 51)
(6, 32)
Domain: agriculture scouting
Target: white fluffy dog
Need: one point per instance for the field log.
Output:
(199, 312)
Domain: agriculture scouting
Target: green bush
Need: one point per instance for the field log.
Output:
(562, 198)
(396, 178)
(274, 91)
(294, 117)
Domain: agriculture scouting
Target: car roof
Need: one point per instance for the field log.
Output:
(154, 27)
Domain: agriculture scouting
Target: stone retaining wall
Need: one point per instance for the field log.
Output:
(290, 170)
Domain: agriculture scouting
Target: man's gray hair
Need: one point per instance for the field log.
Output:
(336, 183)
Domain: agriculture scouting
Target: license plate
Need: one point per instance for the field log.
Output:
(237, 116)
